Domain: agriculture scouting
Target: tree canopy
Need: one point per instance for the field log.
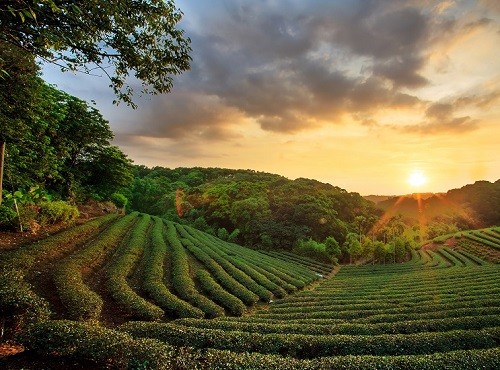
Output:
(268, 210)
(54, 141)
(108, 37)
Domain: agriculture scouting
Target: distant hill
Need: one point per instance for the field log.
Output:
(477, 203)
(381, 198)
(377, 198)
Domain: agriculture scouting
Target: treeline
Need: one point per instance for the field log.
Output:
(56, 146)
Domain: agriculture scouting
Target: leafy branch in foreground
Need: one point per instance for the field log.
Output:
(115, 37)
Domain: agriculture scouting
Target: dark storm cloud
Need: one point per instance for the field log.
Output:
(293, 65)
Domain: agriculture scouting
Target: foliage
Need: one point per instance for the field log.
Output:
(139, 36)
(153, 277)
(18, 302)
(417, 314)
(124, 260)
(234, 305)
(269, 210)
(78, 160)
(95, 343)
(57, 211)
(80, 301)
(311, 346)
(7, 217)
(119, 200)
(313, 249)
(181, 279)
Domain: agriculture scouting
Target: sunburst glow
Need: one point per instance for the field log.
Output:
(417, 179)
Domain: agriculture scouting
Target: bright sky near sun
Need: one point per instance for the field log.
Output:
(362, 95)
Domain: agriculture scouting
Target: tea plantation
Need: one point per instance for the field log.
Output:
(139, 292)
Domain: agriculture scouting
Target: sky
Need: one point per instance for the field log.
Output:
(361, 94)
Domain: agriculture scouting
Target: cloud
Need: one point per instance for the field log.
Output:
(305, 67)
(441, 119)
(188, 115)
(446, 126)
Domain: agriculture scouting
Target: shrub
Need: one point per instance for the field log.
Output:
(121, 267)
(215, 291)
(312, 249)
(57, 211)
(181, 280)
(7, 218)
(75, 295)
(106, 347)
(119, 200)
(18, 302)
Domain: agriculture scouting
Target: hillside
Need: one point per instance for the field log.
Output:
(74, 300)
(267, 210)
(473, 204)
(113, 269)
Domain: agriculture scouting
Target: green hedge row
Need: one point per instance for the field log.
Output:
(473, 257)
(453, 260)
(121, 267)
(240, 276)
(112, 349)
(153, 277)
(79, 300)
(52, 247)
(19, 305)
(426, 310)
(435, 280)
(181, 280)
(482, 234)
(258, 277)
(376, 319)
(292, 273)
(311, 346)
(456, 360)
(226, 248)
(271, 268)
(226, 280)
(475, 248)
(399, 327)
(343, 303)
(219, 295)
(105, 347)
(482, 240)
(301, 260)
(292, 270)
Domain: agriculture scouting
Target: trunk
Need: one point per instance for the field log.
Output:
(2, 157)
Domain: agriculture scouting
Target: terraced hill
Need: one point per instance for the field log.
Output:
(137, 267)
(440, 310)
(484, 243)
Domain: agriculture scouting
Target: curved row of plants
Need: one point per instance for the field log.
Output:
(79, 300)
(117, 349)
(411, 309)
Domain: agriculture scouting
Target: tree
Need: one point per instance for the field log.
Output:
(352, 246)
(18, 87)
(332, 248)
(88, 35)
(77, 160)
(104, 171)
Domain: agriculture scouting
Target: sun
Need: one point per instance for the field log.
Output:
(417, 179)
